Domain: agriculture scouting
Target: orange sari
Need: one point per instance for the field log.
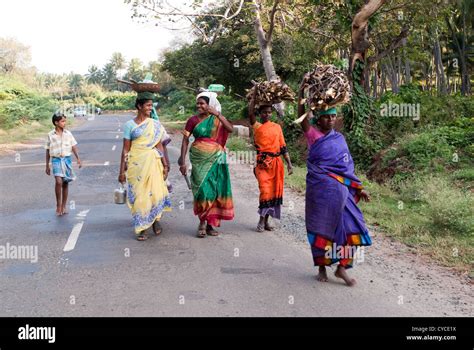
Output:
(269, 170)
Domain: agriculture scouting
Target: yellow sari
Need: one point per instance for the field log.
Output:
(147, 193)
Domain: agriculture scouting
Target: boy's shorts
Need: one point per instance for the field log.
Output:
(62, 167)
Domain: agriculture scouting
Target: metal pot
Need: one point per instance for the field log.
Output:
(120, 195)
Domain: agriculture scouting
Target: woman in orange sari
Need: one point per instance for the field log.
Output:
(269, 169)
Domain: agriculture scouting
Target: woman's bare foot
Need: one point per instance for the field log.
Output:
(64, 211)
(342, 273)
(322, 276)
(59, 211)
(211, 231)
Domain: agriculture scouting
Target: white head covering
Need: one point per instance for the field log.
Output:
(213, 102)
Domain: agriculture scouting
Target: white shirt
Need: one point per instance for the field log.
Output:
(60, 145)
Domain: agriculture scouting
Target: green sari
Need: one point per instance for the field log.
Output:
(210, 176)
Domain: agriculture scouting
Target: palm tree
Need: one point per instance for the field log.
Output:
(56, 84)
(94, 75)
(118, 61)
(135, 70)
(119, 64)
(109, 76)
(75, 83)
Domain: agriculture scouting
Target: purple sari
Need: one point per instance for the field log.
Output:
(334, 223)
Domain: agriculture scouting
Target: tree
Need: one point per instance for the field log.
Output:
(56, 84)
(135, 70)
(118, 62)
(13, 55)
(109, 76)
(195, 14)
(75, 83)
(94, 75)
(458, 27)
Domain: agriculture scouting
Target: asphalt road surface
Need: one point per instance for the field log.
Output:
(89, 263)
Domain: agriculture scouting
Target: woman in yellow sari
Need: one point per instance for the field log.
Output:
(145, 168)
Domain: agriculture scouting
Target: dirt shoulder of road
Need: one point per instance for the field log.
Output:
(29, 136)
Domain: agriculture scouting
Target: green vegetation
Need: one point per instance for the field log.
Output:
(237, 144)
(20, 104)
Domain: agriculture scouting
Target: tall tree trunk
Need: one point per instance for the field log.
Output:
(399, 69)
(392, 73)
(264, 44)
(460, 48)
(465, 74)
(440, 77)
(367, 80)
(407, 71)
(383, 85)
(375, 82)
(360, 34)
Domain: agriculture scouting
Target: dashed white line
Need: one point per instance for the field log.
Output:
(72, 240)
(116, 136)
(114, 147)
(76, 230)
(107, 163)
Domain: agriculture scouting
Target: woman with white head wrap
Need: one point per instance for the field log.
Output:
(210, 176)
(212, 100)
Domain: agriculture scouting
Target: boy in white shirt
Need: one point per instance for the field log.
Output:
(60, 144)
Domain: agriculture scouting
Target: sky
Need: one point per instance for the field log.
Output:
(70, 35)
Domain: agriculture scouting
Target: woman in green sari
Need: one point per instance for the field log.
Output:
(210, 176)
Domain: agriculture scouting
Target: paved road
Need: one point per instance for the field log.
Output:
(106, 272)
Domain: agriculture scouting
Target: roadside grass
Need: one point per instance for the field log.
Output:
(29, 131)
(238, 144)
(172, 125)
(297, 180)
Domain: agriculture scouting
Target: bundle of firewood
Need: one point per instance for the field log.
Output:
(270, 93)
(327, 87)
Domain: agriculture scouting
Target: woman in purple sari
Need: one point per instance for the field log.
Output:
(334, 223)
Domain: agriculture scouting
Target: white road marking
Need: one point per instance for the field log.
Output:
(114, 147)
(72, 240)
(76, 230)
(116, 136)
(107, 163)
(118, 129)
(83, 213)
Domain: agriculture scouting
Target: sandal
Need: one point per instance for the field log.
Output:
(260, 228)
(201, 233)
(211, 232)
(157, 228)
(142, 236)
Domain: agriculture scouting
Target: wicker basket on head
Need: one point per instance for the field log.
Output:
(141, 87)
